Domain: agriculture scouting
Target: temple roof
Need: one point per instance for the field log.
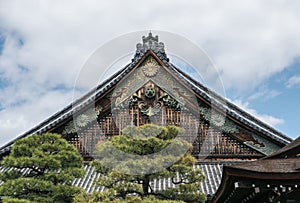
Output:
(285, 160)
(212, 171)
(290, 151)
(290, 165)
(278, 170)
(152, 46)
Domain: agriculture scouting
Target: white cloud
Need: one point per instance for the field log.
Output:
(269, 119)
(248, 41)
(264, 93)
(20, 118)
(292, 81)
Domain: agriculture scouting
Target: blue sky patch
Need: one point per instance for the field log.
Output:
(1, 107)
(285, 105)
(3, 82)
(61, 87)
(2, 42)
(23, 69)
(18, 102)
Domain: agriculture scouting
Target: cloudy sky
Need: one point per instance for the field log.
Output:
(255, 45)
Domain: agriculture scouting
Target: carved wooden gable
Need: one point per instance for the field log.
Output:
(150, 93)
(152, 90)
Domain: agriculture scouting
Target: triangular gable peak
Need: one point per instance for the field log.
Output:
(152, 90)
(151, 93)
(152, 77)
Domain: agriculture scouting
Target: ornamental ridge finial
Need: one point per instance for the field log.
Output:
(150, 43)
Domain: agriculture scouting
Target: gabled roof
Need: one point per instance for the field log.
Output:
(290, 151)
(151, 46)
(212, 171)
(280, 169)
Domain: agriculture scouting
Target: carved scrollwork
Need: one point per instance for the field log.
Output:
(146, 107)
(150, 107)
(170, 101)
(134, 99)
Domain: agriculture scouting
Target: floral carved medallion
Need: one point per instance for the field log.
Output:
(150, 67)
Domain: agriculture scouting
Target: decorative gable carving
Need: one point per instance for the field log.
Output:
(152, 90)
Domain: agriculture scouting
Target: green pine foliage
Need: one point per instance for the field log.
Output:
(163, 156)
(42, 169)
(94, 198)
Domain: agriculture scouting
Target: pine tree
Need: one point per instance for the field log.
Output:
(42, 168)
(131, 161)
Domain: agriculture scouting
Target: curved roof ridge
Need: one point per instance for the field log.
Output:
(229, 106)
(151, 44)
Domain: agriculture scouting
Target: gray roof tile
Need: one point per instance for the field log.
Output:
(211, 169)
